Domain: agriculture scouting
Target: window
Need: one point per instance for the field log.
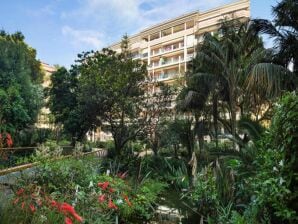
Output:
(154, 36)
(166, 32)
(178, 28)
(190, 24)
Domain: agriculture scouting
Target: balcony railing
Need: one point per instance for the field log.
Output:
(167, 62)
(167, 49)
(165, 76)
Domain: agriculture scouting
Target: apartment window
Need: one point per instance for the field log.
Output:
(154, 36)
(166, 32)
(135, 54)
(190, 24)
(167, 48)
(190, 40)
(179, 28)
(175, 46)
(155, 51)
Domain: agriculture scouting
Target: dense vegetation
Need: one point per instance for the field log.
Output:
(237, 94)
(20, 92)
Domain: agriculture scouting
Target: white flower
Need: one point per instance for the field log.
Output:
(281, 163)
(275, 169)
(281, 181)
(119, 201)
(91, 184)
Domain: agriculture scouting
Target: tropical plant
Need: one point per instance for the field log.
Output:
(235, 66)
(284, 31)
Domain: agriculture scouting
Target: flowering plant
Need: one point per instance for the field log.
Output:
(114, 193)
(32, 199)
(5, 141)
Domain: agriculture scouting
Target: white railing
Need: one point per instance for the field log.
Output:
(167, 49)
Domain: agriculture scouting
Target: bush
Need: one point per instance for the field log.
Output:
(82, 183)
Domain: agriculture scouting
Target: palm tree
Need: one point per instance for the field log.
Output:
(284, 31)
(238, 69)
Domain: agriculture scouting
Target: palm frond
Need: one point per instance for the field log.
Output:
(267, 78)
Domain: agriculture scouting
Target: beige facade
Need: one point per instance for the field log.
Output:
(43, 120)
(167, 47)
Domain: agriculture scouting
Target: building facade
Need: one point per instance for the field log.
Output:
(43, 119)
(167, 47)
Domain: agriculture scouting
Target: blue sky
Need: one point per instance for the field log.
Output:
(60, 29)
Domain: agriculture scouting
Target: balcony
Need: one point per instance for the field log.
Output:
(165, 76)
(167, 49)
(136, 56)
(166, 62)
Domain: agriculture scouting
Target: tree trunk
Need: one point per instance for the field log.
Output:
(233, 117)
(215, 118)
(155, 147)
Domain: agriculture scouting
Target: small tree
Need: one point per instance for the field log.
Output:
(112, 87)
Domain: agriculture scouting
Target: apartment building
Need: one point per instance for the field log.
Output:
(167, 47)
(43, 119)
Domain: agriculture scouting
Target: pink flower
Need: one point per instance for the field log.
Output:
(122, 175)
(111, 190)
(32, 208)
(101, 198)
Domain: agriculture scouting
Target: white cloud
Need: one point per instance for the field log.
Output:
(83, 37)
(132, 13)
(112, 18)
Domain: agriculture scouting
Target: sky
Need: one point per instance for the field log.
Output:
(60, 29)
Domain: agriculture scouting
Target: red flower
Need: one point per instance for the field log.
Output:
(55, 204)
(23, 204)
(127, 200)
(103, 185)
(9, 141)
(112, 205)
(20, 191)
(102, 198)
(67, 208)
(32, 208)
(16, 201)
(68, 220)
(111, 190)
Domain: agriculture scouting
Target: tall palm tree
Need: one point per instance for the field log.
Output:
(236, 65)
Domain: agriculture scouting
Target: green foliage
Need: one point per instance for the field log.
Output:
(205, 194)
(146, 197)
(20, 92)
(275, 183)
(110, 87)
(268, 188)
(77, 181)
(284, 31)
